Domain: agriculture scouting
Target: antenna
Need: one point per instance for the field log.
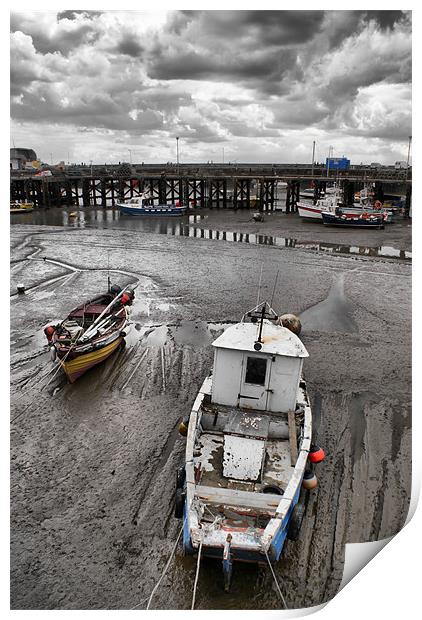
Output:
(275, 283)
(108, 271)
(259, 285)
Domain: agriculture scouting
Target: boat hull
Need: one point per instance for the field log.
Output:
(311, 212)
(155, 211)
(352, 222)
(77, 366)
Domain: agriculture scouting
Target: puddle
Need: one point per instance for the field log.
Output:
(188, 226)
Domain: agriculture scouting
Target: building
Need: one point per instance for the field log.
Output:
(23, 159)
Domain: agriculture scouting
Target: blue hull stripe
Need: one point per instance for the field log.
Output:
(157, 211)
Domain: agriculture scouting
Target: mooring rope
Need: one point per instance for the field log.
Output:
(196, 576)
(164, 571)
(275, 579)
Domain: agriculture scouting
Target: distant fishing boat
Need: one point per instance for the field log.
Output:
(248, 456)
(364, 220)
(91, 332)
(145, 205)
(17, 206)
(311, 211)
(333, 200)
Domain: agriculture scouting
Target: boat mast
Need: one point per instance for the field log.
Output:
(108, 272)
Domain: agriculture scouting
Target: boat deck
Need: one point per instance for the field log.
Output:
(271, 459)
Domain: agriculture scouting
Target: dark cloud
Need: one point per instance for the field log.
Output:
(129, 46)
(265, 69)
(385, 19)
(72, 15)
(266, 27)
(99, 110)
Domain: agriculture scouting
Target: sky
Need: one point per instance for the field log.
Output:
(233, 86)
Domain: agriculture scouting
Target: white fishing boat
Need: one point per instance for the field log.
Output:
(311, 211)
(333, 201)
(249, 456)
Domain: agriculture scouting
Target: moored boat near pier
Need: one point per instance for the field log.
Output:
(17, 206)
(364, 220)
(145, 205)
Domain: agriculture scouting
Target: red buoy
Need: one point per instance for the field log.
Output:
(316, 454)
(125, 298)
(49, 331)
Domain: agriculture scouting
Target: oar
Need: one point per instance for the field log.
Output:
(110, 305)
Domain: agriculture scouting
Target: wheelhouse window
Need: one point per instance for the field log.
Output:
(256, 370)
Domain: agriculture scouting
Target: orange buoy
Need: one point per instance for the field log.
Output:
(125, 298)
(49, 331)
(316, 454)
(310, 481)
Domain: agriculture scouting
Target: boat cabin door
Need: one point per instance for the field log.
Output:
(255, 380)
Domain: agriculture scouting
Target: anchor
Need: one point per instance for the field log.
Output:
(227, 563)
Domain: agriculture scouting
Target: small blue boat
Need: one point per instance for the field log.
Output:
(145, 205)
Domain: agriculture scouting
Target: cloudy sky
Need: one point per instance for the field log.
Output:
(247, 85)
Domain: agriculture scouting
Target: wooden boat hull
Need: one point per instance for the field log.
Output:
(77, 366)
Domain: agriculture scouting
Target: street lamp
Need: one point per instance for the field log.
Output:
(408, 151)
(330, 150)
(177, 155)
(313, 156)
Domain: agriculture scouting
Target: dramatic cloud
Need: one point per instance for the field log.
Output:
(261, 84)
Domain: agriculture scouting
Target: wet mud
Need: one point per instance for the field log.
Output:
(93, 464)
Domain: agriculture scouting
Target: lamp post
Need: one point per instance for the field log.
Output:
(223, 155)
(313, 157)
(330, 149)
(177, 155)
(408, 151)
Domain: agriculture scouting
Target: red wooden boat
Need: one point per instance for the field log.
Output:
(91, 332)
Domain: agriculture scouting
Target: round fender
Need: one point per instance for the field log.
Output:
(295, 522)
(179, 504)
(180, 477)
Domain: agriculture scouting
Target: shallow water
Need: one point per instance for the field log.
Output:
(190, 226)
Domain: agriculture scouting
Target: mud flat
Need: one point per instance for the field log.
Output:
(93, 464)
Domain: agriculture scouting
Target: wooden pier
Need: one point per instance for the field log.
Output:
(207, 186)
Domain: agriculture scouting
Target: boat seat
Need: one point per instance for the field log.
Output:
(90, 309)
(233, 497)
